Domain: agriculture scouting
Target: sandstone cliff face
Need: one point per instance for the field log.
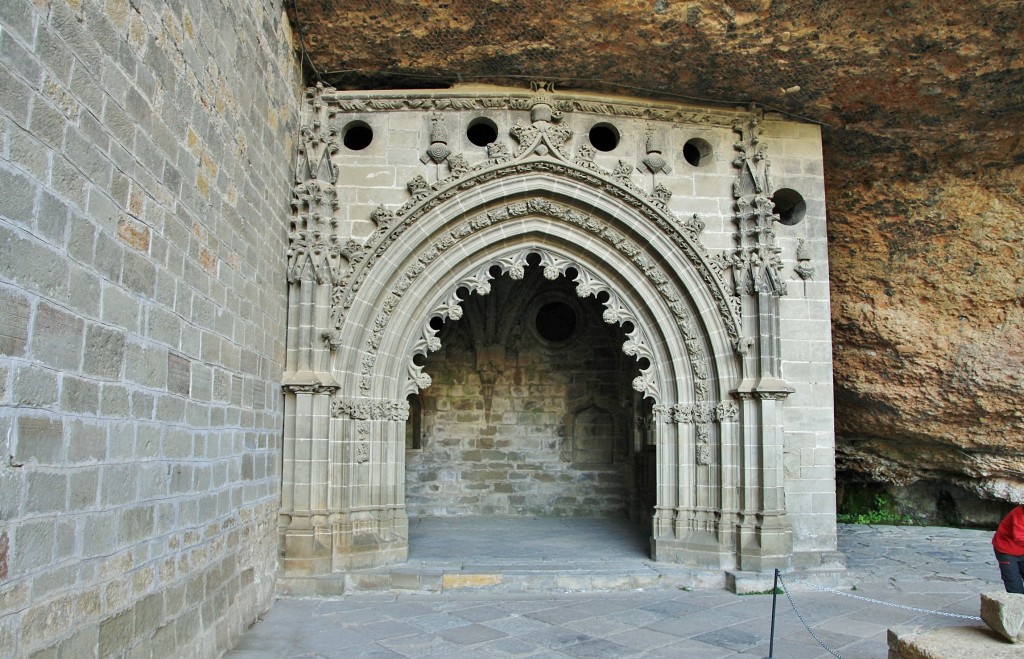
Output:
(923, 107)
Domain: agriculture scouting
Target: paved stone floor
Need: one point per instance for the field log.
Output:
(936, 569)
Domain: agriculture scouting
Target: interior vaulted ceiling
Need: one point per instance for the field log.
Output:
(922, 109)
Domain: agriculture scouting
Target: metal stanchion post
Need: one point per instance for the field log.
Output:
(775, 596)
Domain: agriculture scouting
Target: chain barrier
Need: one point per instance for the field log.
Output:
(779, 581)
(797, 611)
(897, 606)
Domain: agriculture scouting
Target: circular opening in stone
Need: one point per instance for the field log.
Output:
(556, 322)
(604, 137)
(789, 205)
(357, 135)
(482, 131)
(697, 152)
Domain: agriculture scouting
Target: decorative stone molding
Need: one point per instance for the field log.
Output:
(350, 102)
(309, 388)
(553, 266)
(803, 269)
(438, 150)
(756, 262)
(654, 162)
(370, 409)
(339, 263)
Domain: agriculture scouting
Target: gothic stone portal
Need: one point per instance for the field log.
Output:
(590, 306)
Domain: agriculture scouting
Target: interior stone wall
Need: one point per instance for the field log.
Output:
(145, 152)
(535, 427)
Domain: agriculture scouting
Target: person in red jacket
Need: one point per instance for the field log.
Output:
(1009, 545)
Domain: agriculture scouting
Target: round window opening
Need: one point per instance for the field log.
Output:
(604, 137)
(482, 131)
(697, 152)
(790, 206)
(357, 135)
(556, 322)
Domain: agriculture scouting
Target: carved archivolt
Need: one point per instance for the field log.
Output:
(542, 146)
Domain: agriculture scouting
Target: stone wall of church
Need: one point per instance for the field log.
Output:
(544, 428)
(144, 170)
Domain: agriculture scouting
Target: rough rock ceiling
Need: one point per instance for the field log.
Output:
(922, 107)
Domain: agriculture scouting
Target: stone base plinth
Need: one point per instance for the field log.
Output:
(950, 643)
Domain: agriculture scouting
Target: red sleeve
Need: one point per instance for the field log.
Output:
(1009, 537)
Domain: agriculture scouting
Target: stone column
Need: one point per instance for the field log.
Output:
(765, 537)
(368, 519)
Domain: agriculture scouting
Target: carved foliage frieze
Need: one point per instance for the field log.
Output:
(701, 415)
(367, 409)
(346, 102)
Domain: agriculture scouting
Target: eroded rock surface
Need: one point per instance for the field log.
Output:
(923, 108)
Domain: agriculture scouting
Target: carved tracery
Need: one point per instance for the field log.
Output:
(553, 266)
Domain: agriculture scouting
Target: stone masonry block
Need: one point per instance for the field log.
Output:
(1004, 614)
(146, 365)
(40, 439)
(34, 386)
(117, 633)
(105, 350)
(98, 530)
(79, 395)
(82, 489)
(15, 314)
(47, 123)
(29, 153)
(57, 337)
(17, 203)
(32, 546)
(47, 492)
(87, 441)
(31, 264)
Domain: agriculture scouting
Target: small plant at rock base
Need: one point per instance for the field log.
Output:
(882, 511)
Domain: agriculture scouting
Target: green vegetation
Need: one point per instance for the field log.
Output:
(777, 591)
(881, 510)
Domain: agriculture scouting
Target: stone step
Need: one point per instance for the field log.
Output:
(542, 578)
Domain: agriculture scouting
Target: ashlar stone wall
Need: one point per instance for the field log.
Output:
(145, 153)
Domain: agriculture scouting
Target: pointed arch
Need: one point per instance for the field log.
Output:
(620, 238)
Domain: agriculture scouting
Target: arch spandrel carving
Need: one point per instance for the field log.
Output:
(682, 234)
(576, 229)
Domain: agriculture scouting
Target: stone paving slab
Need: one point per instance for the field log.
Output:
(922, 567)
